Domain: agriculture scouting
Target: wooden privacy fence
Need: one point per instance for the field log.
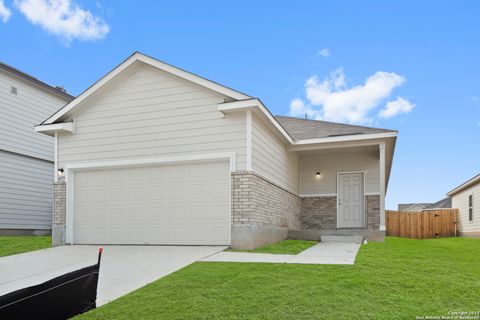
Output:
(425, 224)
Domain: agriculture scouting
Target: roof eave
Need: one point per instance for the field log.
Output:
(35, 82)
(355, 137)
(464, 185)
(137, 56)
(51, 129)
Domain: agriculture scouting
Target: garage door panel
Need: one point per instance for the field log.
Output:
(168, 204)
(200, 191)
(177, 173)
(156, 192)
(156, 214)
(136, 193)
(176, 213)
(117, 194)
(157, 174)
(198, 234)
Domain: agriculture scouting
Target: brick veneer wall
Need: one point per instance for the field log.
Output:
(319, 213)
(372, 208)
(59, 213)
(256, 200)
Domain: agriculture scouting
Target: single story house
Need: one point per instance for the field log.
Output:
(445, 203)
(26, 157)
(466, 197)
(153, 154)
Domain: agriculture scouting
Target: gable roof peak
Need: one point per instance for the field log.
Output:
(70, 107)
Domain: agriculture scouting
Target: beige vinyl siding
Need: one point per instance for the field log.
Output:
(270, 158)
(329, 164)
(25, 192)
(153, 114)
(20, 113)
(460, 201)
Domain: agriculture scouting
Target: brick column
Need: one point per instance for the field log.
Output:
(59, 212)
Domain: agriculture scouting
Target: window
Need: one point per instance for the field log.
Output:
(470, 207)
(13, 90)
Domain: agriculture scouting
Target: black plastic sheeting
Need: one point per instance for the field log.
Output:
(62, 297)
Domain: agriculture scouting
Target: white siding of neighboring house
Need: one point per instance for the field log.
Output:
(270, 158)
(460, 201)
(153, 114)
(26, 157)
(329, 164)
(25, 192)
(19, 113)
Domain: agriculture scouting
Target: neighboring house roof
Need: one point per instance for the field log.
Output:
(444, 203)
(24, 76)
(408, 206)
(301, 129)
(467, 184)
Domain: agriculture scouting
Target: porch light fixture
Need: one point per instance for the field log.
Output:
(317, 174)
(60, 172)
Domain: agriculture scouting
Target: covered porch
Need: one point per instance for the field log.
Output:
(342, 188)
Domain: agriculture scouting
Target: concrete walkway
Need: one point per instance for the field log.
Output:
(123, 268)
(321, 253)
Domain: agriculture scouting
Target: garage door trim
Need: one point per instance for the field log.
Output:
(70, 169)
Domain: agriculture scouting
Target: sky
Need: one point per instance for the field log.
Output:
(412, 66)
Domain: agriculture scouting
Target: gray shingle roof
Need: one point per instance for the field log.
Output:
(301, 129)
(444, 203)
(405, 206)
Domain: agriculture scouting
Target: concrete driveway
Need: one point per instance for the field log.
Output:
(123, 268)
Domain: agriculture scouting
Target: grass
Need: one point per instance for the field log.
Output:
(12, 245)
(398, 279)
(283, 247)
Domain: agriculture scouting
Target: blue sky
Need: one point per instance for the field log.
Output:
(422, 56)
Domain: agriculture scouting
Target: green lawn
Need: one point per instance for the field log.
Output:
(13, 245)
(398, 279)
(283, 247)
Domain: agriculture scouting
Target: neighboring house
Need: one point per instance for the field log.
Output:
(466, 197)
(153, 154)
(412, 206)
(445, 203)
(26, 157)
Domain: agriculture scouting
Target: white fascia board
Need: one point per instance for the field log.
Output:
(257, 106)
(51, 129)
(346, 138)
(465, 185)
(137, 56)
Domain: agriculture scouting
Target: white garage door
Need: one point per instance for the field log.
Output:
(187, 204)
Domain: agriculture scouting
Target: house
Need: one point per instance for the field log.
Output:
(412, 206)
(466, 197)
(26, 157)
(152, 154)
(445, 203)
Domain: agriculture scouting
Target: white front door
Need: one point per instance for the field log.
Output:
(350, 200)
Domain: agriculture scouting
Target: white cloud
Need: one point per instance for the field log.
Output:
(396, 107)
(63, 18)
(324, 52)
(332, 100)
(5, 13)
